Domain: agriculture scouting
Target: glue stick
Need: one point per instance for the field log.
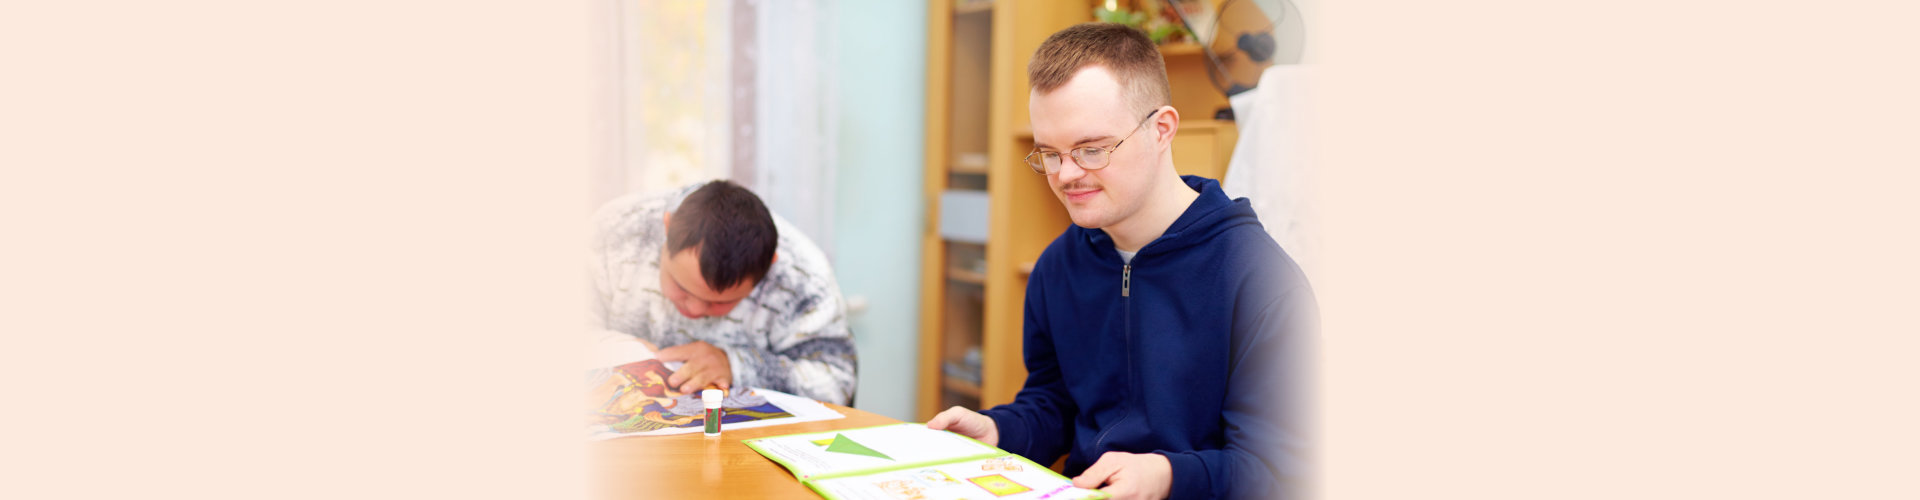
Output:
(711, 398)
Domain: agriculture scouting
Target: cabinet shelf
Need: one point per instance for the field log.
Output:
(968, 169)
(1181, 49)
(966, 276)
(961, 387)
(965, 7)
(970, 163)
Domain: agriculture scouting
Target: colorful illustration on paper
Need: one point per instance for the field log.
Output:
(999, 485)
(636, 398)
(1005, 464)
(936, 478)
(903, 489)
(841, 444)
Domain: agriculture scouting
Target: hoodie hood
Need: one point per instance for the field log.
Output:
(1209, 215)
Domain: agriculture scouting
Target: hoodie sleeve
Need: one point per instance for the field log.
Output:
(1265, 413)
(1038, 424)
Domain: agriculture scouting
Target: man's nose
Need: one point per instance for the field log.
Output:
(1069, 170)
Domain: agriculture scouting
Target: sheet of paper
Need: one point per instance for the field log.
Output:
(611, 348)
(815, 454)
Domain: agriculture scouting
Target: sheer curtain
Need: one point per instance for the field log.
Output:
(794, 117)
(691, 90)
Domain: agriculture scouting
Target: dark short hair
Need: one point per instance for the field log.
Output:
(1126, 52)
(732, 229)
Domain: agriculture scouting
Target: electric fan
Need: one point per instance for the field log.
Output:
(1242, 38)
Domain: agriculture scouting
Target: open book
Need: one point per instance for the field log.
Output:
(908, 461)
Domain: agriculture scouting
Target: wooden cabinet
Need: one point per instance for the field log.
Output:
(972, 292)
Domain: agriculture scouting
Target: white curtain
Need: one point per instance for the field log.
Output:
(660, 110)
(680, 88)
(794, 117)
(1270, 165)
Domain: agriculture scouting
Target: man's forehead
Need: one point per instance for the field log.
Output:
(684, 268)
(1088, 103)
(1092, 77)
(1063, 126)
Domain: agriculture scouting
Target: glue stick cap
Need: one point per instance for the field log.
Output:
(711, 397)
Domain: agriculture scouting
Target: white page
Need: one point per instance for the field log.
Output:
(1001, 478)
(611, 348)
(902, 444)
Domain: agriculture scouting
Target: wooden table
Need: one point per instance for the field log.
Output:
(695, 467)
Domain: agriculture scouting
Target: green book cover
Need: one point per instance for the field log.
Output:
(910, 461)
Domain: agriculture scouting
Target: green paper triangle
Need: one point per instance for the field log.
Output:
(843, 445)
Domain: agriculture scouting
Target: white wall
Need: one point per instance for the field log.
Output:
(880, 49)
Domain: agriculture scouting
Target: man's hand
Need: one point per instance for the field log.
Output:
(967, 423)
(706, 364)
(1129, 475)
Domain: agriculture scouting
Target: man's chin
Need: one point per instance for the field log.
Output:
(1086, 220)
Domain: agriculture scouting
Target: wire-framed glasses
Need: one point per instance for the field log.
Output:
(1089, 157)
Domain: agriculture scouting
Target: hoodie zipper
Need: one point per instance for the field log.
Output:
(1126, 329)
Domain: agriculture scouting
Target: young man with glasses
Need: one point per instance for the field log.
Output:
(1165, 330)
(735, 292)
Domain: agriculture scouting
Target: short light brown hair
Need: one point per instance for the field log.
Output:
(1128, 53)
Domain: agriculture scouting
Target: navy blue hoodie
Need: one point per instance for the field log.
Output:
(1195, 351)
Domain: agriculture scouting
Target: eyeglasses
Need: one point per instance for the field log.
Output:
(1090, 158)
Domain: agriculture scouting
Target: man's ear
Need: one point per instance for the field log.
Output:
(1166, 124)
(666, 219)
(776, 259)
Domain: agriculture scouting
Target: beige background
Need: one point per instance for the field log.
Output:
(1591, 250)
(1620, 250)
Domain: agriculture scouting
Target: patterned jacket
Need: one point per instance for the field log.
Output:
(790, 334)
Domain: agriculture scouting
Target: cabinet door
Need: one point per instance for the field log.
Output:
(1196, 151)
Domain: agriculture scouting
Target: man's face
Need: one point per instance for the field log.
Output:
(1090, 111)
(680, 280)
